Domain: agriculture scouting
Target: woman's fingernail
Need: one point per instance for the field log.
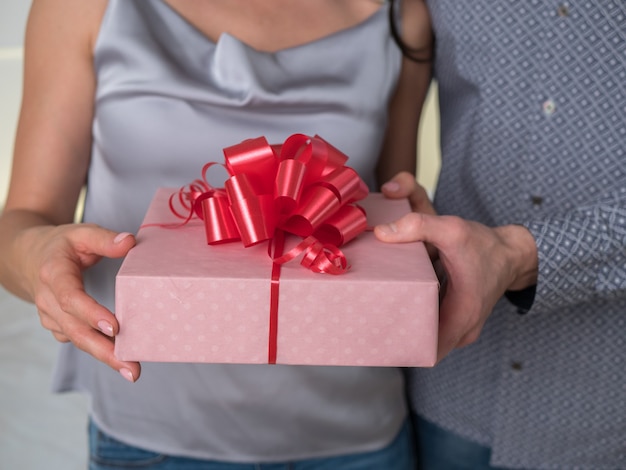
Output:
(127, 374)
(105, 327)
(120, 237)
(391, 186)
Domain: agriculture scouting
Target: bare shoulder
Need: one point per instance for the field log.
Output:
(65, 22)
(416, 25)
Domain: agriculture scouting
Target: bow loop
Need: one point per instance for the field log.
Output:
(219, 225)
(256, 159)
(289, 185)
(301, 187)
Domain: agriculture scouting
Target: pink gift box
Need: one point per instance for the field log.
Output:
(181, 300)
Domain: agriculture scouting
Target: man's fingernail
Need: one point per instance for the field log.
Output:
(388, 228)
(121, 236)
(127, 374)
(391, 186)
(105, 327)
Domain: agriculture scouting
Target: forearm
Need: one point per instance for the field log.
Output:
(18, 234)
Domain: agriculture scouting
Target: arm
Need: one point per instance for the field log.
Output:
(399, 152)
(574, 257)
(42, 254)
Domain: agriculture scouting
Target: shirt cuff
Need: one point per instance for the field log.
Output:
(522, 299)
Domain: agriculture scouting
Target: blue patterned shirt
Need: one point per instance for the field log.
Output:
(533, 131)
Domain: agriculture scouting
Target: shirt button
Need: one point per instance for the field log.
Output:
(562, 10)
(536, 200)
(548, 107)
(516, 366)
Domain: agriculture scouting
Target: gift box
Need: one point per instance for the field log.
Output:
(181, 300)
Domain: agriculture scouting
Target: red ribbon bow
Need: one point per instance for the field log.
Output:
(301, 187)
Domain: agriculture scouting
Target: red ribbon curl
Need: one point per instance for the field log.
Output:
(301, 187)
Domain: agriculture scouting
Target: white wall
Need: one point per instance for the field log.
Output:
(12, 22)
(429, 154)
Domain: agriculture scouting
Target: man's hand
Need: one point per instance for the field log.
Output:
(480, 264)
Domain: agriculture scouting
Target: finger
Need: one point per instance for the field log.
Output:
(400, 186)
(452, 325)
(410, 228)
(61, 338)
(470, 337)
(49, 323)
(448, 343)
(440, 231)
(404, 185)
(74, 301)
(102, 348)
(460, 322)
(420, 201)
(65, 290)
(74, 330)
(89, 240)
(441, 274)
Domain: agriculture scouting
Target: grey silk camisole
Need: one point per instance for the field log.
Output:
(167, 101)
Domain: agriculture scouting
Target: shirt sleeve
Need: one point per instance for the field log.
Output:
(582, 253)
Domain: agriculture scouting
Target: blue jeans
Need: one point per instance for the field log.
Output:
(438, 449)
(107, 453)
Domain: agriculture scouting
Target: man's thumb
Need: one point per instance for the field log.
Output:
(405, 229)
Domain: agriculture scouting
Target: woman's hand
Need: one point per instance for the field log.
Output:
(480, 264)
(53, 259)
(404, 185)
